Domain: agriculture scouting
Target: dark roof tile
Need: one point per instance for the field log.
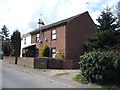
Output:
(62, 22)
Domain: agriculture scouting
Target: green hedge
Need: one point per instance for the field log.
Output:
(100, 67)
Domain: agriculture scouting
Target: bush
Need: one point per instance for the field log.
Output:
(23, 55)
(100, 67)
(45, 51)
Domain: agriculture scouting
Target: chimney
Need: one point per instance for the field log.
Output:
(40, 24)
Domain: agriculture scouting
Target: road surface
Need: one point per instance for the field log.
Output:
(13, 78)
(0, 74)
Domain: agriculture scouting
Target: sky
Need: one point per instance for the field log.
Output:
(23, 15)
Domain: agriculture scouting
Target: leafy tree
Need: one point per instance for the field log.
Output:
(16, 44)
(106, 20)
(5, 40)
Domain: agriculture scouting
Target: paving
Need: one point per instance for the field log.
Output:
(57, 75)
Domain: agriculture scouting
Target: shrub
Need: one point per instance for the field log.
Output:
(61, 56)
(100, 67)
(45, 51)
(23, 55)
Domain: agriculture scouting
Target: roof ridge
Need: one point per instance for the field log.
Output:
(72, 17)
(57, 23)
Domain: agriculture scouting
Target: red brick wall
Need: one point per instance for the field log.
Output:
(9, 59)
(58, 43)
(77, 32)
(33, 38)
(26, 62)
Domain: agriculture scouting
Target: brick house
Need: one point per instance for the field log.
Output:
(66, 36)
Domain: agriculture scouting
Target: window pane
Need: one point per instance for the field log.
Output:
(37, 39)
(53, 31)
(53, 55)
(54, 36)
(45, 38)
(53, 50)
(37, 35)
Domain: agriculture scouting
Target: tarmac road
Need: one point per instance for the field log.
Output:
(12, 78)
(0, 74)
(15, 76)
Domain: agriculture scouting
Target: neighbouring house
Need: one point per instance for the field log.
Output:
(67, 36)
(28, 49)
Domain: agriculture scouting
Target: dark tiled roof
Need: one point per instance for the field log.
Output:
(62, 22)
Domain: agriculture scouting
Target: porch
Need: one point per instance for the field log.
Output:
(30, 51)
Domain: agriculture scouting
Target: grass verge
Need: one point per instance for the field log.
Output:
(62, 74)
(79, 78)
(44, 70)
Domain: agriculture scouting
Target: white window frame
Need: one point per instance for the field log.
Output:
(54, 36)
(38, 38)
(53, 52)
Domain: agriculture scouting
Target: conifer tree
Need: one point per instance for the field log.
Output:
(16, 44)
(5, 41)
(107, 21)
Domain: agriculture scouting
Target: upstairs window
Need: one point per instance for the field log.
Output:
(37, 38)
(53, 51)
(54, 34)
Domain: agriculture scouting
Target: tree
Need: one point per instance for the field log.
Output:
(16, 44)
(5, 33)
(5, 41)
(106, 20)
(105, 40)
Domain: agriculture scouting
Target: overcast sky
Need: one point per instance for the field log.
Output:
(24, 14)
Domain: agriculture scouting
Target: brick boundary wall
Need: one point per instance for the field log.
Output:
(71, 64)
(55, 64)
(9, 59)
(26, 62)
(43, 63)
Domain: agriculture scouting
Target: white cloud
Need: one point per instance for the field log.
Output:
(17, 13)
(110, 3)
(95, 15)
(23, 14)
